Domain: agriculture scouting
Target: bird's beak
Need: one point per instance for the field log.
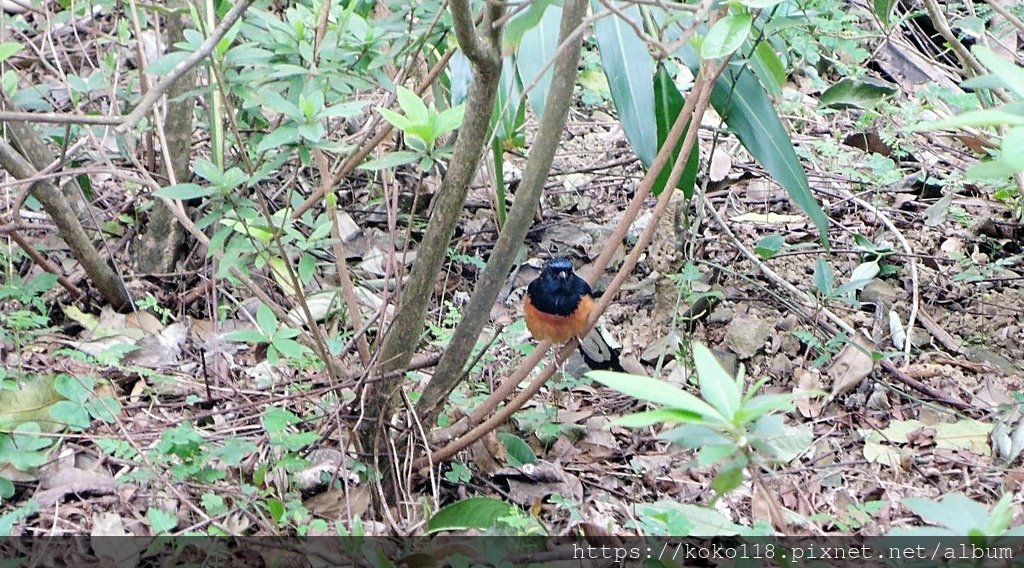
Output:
(563, 274)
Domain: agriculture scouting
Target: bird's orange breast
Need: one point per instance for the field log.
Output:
(555, 328)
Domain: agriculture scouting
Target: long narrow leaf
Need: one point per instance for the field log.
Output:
(748, 112)
(538, 47)
(668, 103)
(629, 68)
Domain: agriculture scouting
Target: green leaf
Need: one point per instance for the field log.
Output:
(22, 448)
(763, 404)
(390, 160)
(475, 513)
(522, 23)
(161, 522)
(863, 93)
(742, 103)
(883, 10)
(780, 441)
(726, 36)
(275, 419)
(717, 387)
(71, 414)
(184, 191)
(759, 4)
(246, 336)
(668, 103)
(537, 48)
(769, 68)
(266, 319)
(1011, 75)
(397, 120)
(769, 246)
(954, 511)
(823, 277)
(449, 120)
(629, 68)
(727, 479)
(343, 110)
(281, 136)
(9, 48)
(277, 103)
(414, 107)
(659, 416)
(507, 103)
(1001, 516)
(658, 392)
(517, 450)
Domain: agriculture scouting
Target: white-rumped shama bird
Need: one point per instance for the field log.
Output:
(557, 306)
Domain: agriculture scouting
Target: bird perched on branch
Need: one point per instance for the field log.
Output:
(557, 306)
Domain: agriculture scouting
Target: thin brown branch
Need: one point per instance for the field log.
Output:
(180, 69)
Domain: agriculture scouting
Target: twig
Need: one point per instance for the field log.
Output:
(180, 69)
(914, 285)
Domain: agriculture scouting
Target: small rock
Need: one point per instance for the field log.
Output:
(780, 366)
(746, 334)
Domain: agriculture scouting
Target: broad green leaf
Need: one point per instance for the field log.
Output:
(717, 387)
(863, 93)
(823, 277)
(449, 120)
(760, 405)
(390, 160)
(1011, 148)
(414, 107)
(727, 479)
(519, 453)
(399, 121)
(22, 448)
(1001, 516)
(726, 36)
(769, 68)
(659, 416)
(275, 419)
(246, 336)
(694, 436)
(883, 10)
(9, 48)
(521, 24)
(281, 136)
(266, 319)
(165, 64)
(668, 102)
(474, 513)
(713, 453)
(1011, 74)
(184, 191)
(954, 511)
(769, 246)
(658, 392)
(160, 521)
(507, 102)
(343, 110)
(629, 68)
(864, 273)
(277, 103)
(773, 436)
(208, 170)
(538, 48)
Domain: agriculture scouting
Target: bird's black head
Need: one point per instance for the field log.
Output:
(558, 290)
